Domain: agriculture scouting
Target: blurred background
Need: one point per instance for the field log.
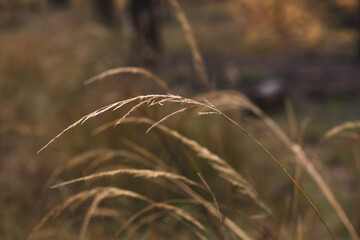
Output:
(297, 60)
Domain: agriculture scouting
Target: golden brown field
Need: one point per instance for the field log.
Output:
(95, 146)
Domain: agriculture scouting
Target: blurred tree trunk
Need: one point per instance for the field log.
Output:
(358, 32)
(145, 22)
(105, 11)
(58, 4)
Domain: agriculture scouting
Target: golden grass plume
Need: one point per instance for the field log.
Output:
(141, 173)
(149, 99)
(233, 100)
(189, 35)
(132, 70)
(340, 128)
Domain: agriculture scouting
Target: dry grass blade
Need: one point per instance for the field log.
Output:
(175, 210)
(290, 112)
(145, 220)
(81, 121)
(225, 170)
(230, 175)
(310, 168)
(134, 108)
(80, 158)
(195, 231)
(131, 70)
(145, 153)
(108, 212)
(166, 118)
(312, 171)
(131, 219)
(145, 210)
(98, 156)
(337, 129)
(228, 99)
(304, 124)
(85, 157)
(180, 213)
(113, 154)
(203, 151)
(189, 35)
(61, 133)
(285, 171)
(236, 229)
(281, 135)
(81, 197)
(207, 113)
(230, 224)
(114, 106)
(216, 204)
(90, 213)
(350, 135)
(143, 173)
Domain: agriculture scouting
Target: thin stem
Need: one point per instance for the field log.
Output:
(282, 168)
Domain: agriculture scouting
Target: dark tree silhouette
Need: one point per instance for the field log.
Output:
(146, 44)
(58, 4)
(104, 11)
(145, 22)
(358, 32)
(143, 14)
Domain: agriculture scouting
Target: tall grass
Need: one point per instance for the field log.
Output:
(217, 163)
(182, 190)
